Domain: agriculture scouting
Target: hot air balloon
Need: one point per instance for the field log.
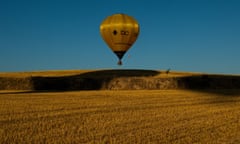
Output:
(119, 31)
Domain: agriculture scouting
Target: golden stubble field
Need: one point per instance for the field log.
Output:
(140, 116)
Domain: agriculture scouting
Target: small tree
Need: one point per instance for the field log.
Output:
(168, 71)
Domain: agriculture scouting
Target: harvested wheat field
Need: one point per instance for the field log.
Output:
(119, 106)
(140, 116)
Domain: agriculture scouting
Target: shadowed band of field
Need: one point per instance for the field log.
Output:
(124, 80)
(94, 80)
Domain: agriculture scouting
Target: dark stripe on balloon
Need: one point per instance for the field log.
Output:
(128, 44)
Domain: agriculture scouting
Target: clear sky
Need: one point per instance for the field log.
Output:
(184, 35)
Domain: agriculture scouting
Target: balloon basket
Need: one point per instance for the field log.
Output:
(119, 63)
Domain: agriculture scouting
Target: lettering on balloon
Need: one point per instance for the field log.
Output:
(123, 32)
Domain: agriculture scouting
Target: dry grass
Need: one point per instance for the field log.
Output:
(79, 79)
(43, 73)
(170, 116)
(79, 72)
(126, 79)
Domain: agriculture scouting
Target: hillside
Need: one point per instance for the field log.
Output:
(115, 80)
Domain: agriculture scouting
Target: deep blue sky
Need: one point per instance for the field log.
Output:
(184, 35)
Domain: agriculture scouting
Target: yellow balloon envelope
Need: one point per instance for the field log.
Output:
(119, 31)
